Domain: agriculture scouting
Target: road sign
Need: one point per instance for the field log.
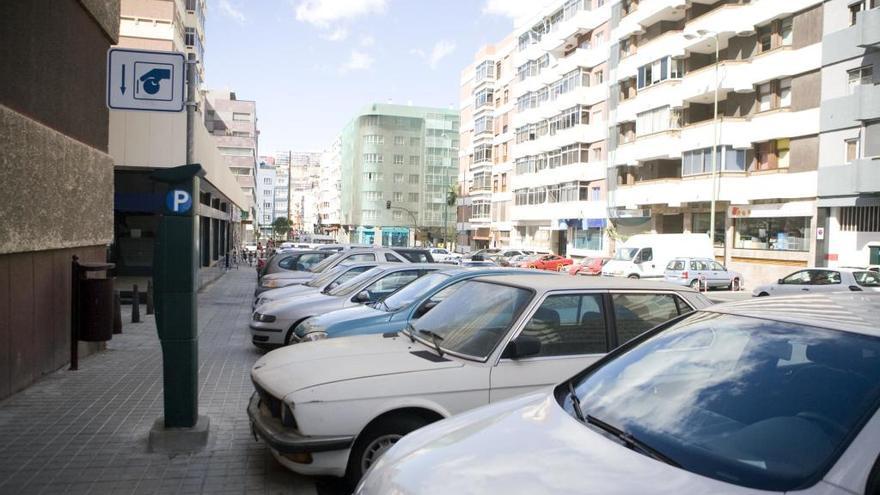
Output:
(178, 201)
(145, 80)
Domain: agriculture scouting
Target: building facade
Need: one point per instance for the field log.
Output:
(397, 164)
(330, 191)
(305, 178)
(142, 141)
(615, 121)
(56, 181)
(849, 139)
(282, 207)
(265, 193)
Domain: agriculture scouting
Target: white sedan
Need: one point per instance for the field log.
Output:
(442, 255)
(822, 280)
(332, 407)
(746, 398)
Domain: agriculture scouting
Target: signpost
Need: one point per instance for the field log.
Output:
(145, 80)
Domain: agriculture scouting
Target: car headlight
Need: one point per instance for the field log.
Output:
(313, 336)
(264, 318)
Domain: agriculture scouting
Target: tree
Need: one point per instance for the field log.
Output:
(281, 226)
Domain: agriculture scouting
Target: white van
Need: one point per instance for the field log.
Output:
(646, 255)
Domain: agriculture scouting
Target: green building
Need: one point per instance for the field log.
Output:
(397, 164)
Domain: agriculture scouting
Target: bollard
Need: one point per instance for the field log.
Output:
(150, 297)
(117, 313)
(135, 305)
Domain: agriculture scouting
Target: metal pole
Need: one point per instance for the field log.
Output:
(190, 106)
(714, 151)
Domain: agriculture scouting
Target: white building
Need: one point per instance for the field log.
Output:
(265, 202)
(330, 190)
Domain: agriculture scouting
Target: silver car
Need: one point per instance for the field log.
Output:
(326, 281)
(705, 272)
(822, 280)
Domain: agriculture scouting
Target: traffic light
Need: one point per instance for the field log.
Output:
(387, 205)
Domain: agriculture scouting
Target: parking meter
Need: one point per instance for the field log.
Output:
(175, 285)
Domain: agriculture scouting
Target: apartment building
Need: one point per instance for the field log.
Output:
(265, 193)
(330, 190)
(305, 178)
(397, 165)
(140, 142)
(849, 139)
(233, 124)
(282, 206)
(486, 163)
(662, 126)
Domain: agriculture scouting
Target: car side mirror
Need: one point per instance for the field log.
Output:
(424, 308)
(361, 297)
(522, 347)
(780, 281)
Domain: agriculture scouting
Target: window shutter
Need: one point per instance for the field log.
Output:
(872, 139)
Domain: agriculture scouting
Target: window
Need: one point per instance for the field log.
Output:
(658, 71)
(372, 176)
(373, 158)
(765, 95)
(398, 159)
(637, 313)
(859, 76)
(413, 197)
(568, 325)
(413, 179)
(398, 178)
(483, 124)
(588, 239)
(413, 159)
(775, 233)
(852, 150)
(267, 192)
(483, 97)
(484, 71)
(785, 31)
(397, 215)
(398, 197)
(859, 6)
(391, 258)
(241, 116)
(657, 120)
(782, 153)
(399, 140)
(414, 141)
(482, 153)
(267, 205)
(785, 92)
(776, 34)
(374, 139)
(595, 193)
(267, 181)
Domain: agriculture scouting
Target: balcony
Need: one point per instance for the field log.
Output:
(657, 146)
(550, 211)
(586, 172)
(868, 100)
(647, 13)
(742, 132)
(669, 43)
(868, 27)
(859, 177)
(667, 92)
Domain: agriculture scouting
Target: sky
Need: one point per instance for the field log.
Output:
(312, 64)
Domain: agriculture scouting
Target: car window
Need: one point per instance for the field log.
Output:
(309, 260)
(569, 324)
(647, 254)
(414, 256)
(718, 267)
(637, 313)
(696, 265)
(867, 279)
(356, 258)
(798, 278)
(391, 258)
(391, 282)
(348, 275)
(288, 263)
(675, 265)
(825, 277)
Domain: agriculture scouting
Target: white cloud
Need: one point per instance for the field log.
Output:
(515, 9)
(323, 13)
(229, 10)
(337, 34)
(440, 50)
(368, 41)
(357, 61)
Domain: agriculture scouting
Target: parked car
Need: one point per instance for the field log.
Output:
(415, 255)
(469, 263)
(483, 252)
(588, 266)
(287, 277)
(822, 280)
(333, 406)
(740, 398)
(325, 281)
(393, 313)
(870, 268)
(442, 255)
(646, 255)
(273, 322)
(295, 259)
(705, 272)
(551, 262)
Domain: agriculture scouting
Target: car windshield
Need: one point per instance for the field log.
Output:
(867, 279)
(411, 292)
(353, 284)
(320, 267)
(474, 318)
(756, 403)
(626, 254)
(325, 277)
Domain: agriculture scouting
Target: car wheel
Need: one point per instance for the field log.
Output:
(376, 440)
(735, 286)
(695, 284)
(763, 294)
(633, 276)
(288, 338)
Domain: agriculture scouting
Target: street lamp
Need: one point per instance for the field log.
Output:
(702, 33)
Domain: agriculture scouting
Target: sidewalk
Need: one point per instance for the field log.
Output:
(85, 431)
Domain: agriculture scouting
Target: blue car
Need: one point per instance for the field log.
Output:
(394, 312)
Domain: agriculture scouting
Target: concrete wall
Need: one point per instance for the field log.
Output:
(56, 179)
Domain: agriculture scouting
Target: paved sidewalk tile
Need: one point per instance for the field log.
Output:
(85, 432)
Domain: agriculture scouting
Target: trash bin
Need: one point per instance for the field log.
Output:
(91, 318)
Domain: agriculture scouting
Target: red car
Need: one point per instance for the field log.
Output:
(588, 266)
(552, 262)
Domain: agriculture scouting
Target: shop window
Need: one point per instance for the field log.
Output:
(700, 225)
(780, 233)
(590, 239)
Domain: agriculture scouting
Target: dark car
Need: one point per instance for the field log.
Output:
(415, 255)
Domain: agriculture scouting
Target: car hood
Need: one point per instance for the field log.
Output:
(285, 292)
(526, 445)
(347, 318)
(311, 364)
(307, 305)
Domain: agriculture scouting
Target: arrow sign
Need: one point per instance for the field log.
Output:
(122, 88)
(145, 80)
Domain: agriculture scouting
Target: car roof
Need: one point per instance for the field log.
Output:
(478, 271)
(412, 266)
(554, 281)
(848, 311)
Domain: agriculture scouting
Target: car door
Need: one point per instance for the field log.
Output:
(796, 283)
(719, 277)
(826, 281)
(645, 262)
(572, 331)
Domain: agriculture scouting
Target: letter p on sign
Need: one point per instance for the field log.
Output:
(178, 201)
